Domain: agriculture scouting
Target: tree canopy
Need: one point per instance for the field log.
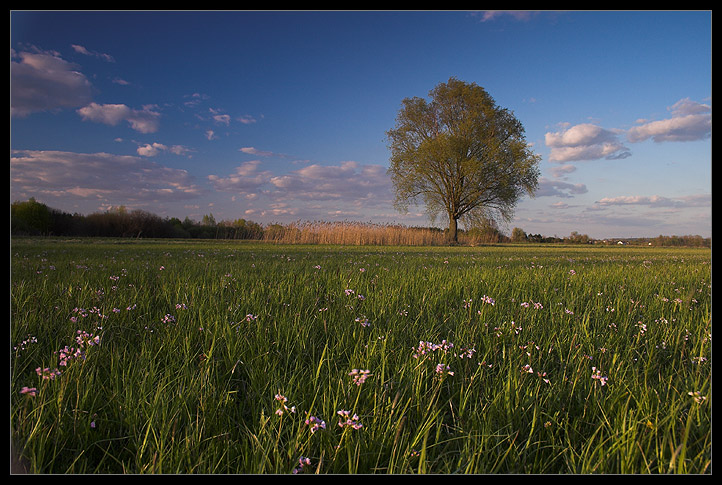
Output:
(460, 155)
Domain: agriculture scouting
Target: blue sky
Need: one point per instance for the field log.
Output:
(282, 116)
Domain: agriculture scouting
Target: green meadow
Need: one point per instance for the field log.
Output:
(208, 357)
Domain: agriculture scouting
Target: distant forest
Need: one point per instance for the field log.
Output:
(32, 218)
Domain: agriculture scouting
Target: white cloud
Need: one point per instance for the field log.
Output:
(246, 119)
(690, 121)
(557, 188)
(43, 81)
(142, 121)
(584, 142)
(82, 50)
(524, 15)
(107, 179)
(255, 151)
(246, 180)
(153, 149)
(700, 200)
(222, 118)
(348, 182)
(312, 192)
(561, 170)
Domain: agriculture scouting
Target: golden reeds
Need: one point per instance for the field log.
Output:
(354, 233)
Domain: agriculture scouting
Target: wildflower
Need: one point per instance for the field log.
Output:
(359, 376)
(443, 369)
(250, 317)
(537, 305)
(168, 318)
(84, 338)
(302, 462)
(488, 299)
(363, 321)
(348, 292)
(466, 353)
(348, 420)
(597, 375)
(527, 369)
(283, 400)
(697, 396)
(315, 423)
(67, 354)
(23, 345)
(543, 376)
(467, 303)
(30, 391)
(47, 373)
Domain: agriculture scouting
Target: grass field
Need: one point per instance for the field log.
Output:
(216, 357)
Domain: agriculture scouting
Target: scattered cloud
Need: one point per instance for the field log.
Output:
(144, 120)
(701, 200)
(523, 15)
(562, 170)
(246, 119)
(101, 177)
(194, 99)
(557, 188)
(255, 151)
(348, 189)
(82, 50)
(585, 141)
(43, 81)
(247, 179)
(349, 182)
(153, 149)
(690, 121)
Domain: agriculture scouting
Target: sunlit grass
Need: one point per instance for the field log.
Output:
(516, 359)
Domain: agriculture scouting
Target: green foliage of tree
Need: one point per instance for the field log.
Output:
(518, 235)
(31, 218)
(460, 155)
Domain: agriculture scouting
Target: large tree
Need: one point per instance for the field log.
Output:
(461, 155)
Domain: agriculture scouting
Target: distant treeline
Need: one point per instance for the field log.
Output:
(32, 218)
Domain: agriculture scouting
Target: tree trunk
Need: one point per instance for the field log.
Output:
(453, 236)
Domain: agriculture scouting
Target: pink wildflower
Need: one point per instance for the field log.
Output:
(30, 391)
(315, 423)
(348, 420)
(359, 376)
